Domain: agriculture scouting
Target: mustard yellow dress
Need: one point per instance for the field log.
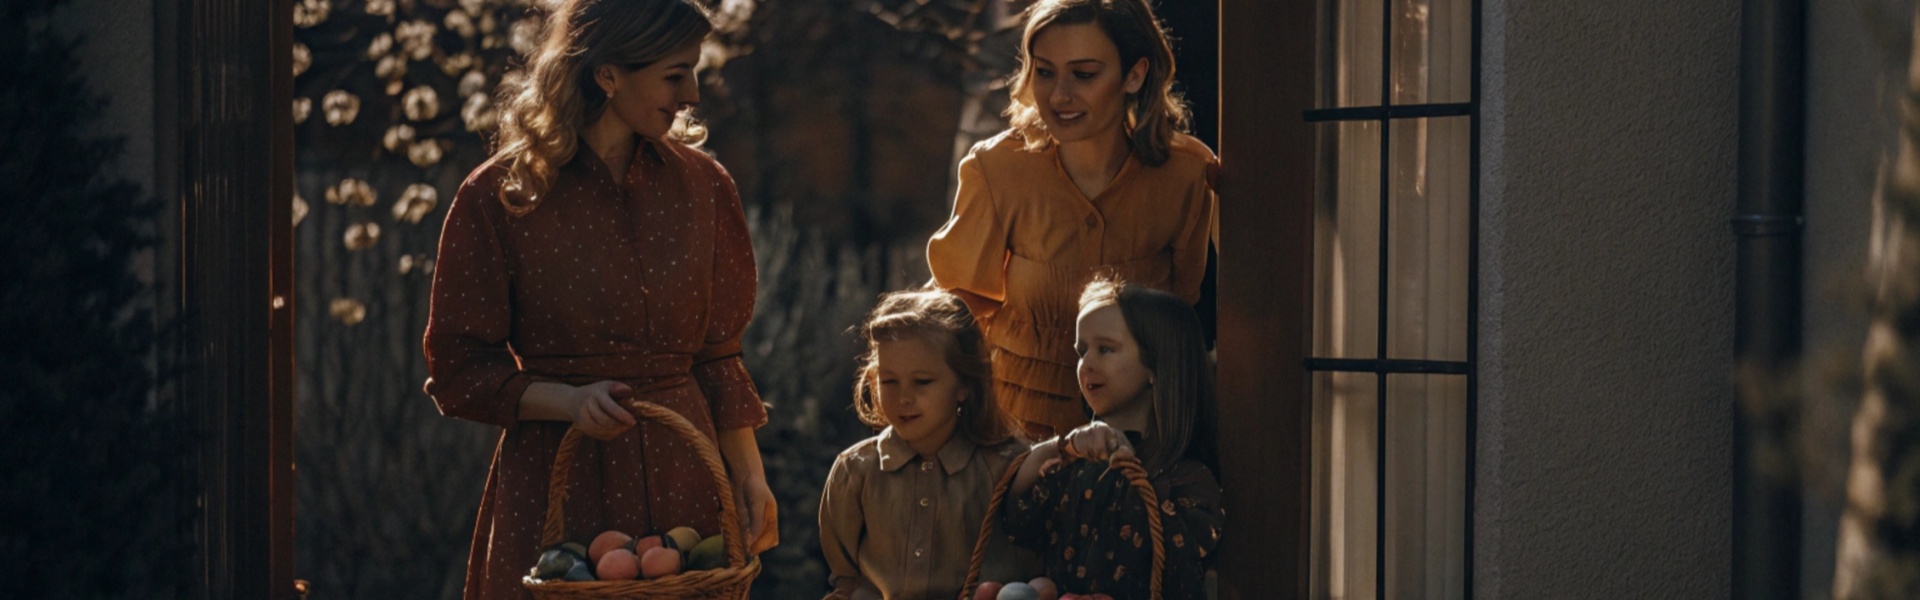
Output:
(1023, 242)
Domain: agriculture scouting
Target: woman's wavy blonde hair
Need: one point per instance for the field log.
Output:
(1153, 114)
(544, 111)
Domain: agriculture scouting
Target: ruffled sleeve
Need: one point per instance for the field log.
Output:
(968, 256)
(472, 372)
(717, 366)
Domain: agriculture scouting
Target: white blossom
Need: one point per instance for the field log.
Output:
(415, 203)
(340, 107)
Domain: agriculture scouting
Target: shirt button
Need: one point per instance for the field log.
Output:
(923, 502)
(917, 552)
(926, 466)
(1092, 220)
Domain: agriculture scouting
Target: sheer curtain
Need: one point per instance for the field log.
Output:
(1427, 232)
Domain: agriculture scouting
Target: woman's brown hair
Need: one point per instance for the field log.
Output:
(940, 317)
(1174, 349)
(554, 97)
(1153, 114)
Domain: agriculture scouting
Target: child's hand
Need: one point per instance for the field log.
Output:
(1096, 441)
(597, 411)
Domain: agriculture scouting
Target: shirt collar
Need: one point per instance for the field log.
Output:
(895, 452)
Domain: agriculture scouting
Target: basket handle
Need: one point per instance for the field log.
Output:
(555, 530)
(1136, 476)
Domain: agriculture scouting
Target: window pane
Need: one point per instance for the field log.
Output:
(1432, 51)
(1345, 438)
(1353, 40)
(1346, 254)
(1428, 220)
(1426, 486)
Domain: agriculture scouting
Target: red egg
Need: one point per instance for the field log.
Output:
(988, 590)
(659, 562)
(607, 540)
(642, 545)
(617, 564)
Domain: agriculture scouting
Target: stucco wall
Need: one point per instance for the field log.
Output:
(1606, 328)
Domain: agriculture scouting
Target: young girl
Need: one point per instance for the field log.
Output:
(597, 260)
(1093, 175)
(1144, 371)
(901, 510)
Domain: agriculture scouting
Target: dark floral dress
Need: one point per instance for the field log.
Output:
(1090, 527)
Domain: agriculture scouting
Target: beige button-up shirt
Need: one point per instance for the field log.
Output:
(902, 526)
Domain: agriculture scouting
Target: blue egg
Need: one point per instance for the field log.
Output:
(1019, 591)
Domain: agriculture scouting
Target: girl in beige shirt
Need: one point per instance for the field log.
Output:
(901, 511)
(1094, 176)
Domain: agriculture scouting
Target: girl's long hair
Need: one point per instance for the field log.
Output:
(1181, 422)
(1153, 114)
(942, 318)
(555, 97)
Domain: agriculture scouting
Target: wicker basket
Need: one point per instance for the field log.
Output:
(1136, 475)
(730, 582)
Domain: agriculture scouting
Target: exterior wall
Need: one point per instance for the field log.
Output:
(1606, 299)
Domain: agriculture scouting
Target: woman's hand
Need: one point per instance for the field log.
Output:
(1096, 441)
(759, 513)
(597, 410)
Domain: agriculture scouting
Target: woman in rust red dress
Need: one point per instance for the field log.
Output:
(597, 260)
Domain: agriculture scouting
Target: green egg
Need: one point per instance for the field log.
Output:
(710, 553)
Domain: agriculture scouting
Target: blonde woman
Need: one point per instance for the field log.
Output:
(1094, 176)
(594, 261)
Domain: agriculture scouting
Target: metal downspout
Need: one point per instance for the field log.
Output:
(1767, 224)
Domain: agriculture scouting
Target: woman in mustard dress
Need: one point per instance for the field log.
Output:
(1093, 176)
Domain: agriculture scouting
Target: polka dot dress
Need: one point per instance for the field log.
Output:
(1090, 528)
(646, 279)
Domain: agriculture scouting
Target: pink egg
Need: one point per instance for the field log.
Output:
(660, 562)
(617, 564)
(607, 540)
(1048, 591)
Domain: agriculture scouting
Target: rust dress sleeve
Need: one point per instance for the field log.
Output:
(472, 372)
(968, 256)
(717, 366)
